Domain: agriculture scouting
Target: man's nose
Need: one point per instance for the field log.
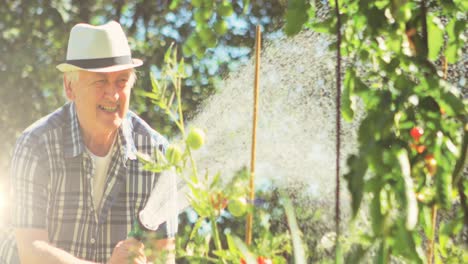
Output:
(112, 92)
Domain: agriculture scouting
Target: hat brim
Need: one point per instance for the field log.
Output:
(66, 67)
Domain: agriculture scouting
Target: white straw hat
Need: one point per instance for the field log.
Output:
(98, 49)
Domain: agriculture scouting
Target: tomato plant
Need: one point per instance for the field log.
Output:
(413, 135)
(209, 196)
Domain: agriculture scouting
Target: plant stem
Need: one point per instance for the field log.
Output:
(172, 116)
(179, 103)
(431, 242)
(192, 161)
(214, 228)
(424, 28)
(180, 122)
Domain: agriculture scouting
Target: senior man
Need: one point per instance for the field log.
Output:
(77, 182)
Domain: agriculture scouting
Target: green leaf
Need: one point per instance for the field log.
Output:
(208, 37)
(155, 86)
(326, 26)
(338, 253)
(461, 161)
(348, 102)
(167, 55)
(174, 4)
(411, 205)
(216, 181)
(221, 27)
(296, 16)
(381, 4)
(382, 254)
(196, 3)
(462, 5)
(406, 245)
(443, 182)
(455, 29)
(246, 4)
(299, 252)
(355, 178)
(195, 228)
(356, 254)
(435, 31)
(377, 218)
(225, 10)
(150, 95)
(452, 104)
(249, 257)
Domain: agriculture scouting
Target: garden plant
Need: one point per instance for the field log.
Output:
(403, 64)
(216, 198)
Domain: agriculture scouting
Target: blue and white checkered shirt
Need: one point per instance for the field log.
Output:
(52, 179)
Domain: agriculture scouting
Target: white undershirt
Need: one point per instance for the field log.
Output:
(101, 166)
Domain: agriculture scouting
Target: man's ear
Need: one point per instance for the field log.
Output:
(67, 86)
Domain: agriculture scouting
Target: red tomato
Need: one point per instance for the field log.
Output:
(419, 148)
(416, 133)
(264, 260)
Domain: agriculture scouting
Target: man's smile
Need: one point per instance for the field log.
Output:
(109, 109)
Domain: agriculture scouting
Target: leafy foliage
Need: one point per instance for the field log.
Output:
(393, 49)
(209, 196)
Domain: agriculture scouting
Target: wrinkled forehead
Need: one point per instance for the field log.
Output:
(88, 75)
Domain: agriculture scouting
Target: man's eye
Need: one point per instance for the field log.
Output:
(122, 82)
(100, 82)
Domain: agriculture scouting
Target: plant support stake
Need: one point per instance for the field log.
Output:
(338, 258)
(248, 232)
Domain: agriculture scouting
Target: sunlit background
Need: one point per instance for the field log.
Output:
(2, 204)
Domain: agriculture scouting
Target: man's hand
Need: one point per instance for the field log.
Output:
(128, 251)
(164, 251)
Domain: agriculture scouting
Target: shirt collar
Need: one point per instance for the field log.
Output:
(74, 145)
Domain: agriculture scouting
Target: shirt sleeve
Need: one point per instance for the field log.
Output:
(29, 185)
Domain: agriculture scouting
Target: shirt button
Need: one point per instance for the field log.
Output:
(89, 176)
(92, 241)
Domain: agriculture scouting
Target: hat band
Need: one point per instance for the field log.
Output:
(101, 62)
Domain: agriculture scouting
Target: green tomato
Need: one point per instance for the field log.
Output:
(237, 207)
(173, 154)
(195, 138)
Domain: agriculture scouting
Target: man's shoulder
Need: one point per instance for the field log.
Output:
(45, 125)
(141, 128)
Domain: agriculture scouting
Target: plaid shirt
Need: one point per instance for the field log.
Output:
(52, 178)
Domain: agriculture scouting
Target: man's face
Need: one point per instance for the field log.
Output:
(101, 99)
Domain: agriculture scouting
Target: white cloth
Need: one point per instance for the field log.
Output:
(101, 166)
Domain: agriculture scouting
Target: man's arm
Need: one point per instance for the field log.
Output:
(33, 247)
